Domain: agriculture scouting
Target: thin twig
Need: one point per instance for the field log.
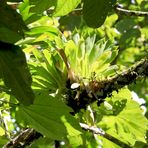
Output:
(131, 12)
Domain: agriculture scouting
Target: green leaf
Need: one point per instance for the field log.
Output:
(49, 116)
(42, 29)
(95, 12)
(15, 74)
(113, 54)
(97, 50)
(90, 41)
(52, 69)
(63, 7)
(3, 140)
(42, 79)
(24, 9)
(2, 131)
(125, 120)
(105, 143)
(74, 135)
(11, 24)
(125, 25)
(40, 6)
(129, 37)
(9, 36)
(110, 71)
(42, 142)
(90, 140)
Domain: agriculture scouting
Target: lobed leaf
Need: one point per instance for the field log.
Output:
(124, 119)
(49, 116)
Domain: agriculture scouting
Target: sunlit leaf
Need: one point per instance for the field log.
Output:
(2, 131)
(124, 119)
(105, 143)
(42, 29)
(3, 140)
(63, 7)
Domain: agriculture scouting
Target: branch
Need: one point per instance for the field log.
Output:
(99, 131)
(93, 129)
(24, 138)
(130, 12)
(99, 90)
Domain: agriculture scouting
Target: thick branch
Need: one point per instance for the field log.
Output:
(99, 90)
(130, 12)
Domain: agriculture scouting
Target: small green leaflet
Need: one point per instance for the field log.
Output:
(15, 73)
(49, 116)
(95, 11)
(125, 120)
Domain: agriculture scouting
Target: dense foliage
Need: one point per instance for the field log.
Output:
(71, 72)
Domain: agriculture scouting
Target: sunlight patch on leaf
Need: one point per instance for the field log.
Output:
(124, 120)
(63, 7)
